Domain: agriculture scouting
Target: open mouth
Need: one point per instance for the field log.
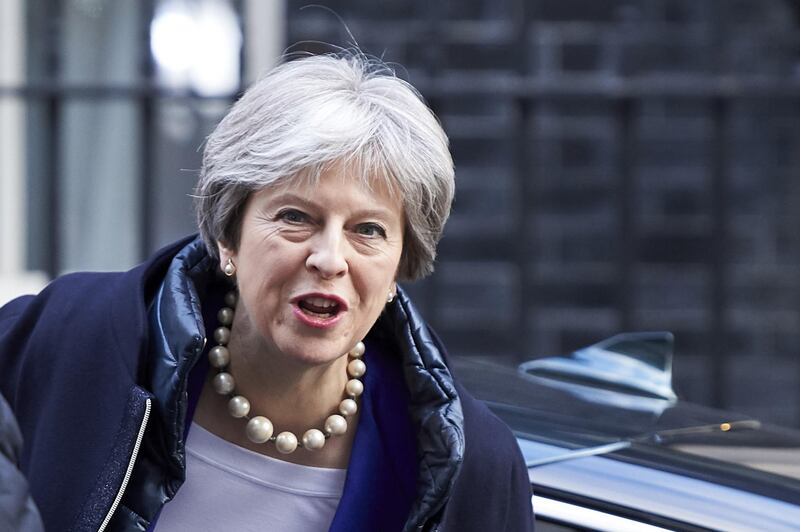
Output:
(319, 310)
(319, 307)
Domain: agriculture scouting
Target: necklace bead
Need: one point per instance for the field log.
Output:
(223, 383)
(222, 335)
(231, 298)
(238, 406)
(335, 425)
(259, 429)
(286, 442)
(348, 407)
(225, 316)
(313, 439)
(358, 350)
(354, 387)
(219, 356)
(356, 368)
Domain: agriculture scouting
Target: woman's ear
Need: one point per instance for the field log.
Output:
(226, 256)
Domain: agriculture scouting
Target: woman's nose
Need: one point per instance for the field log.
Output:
(326, 257)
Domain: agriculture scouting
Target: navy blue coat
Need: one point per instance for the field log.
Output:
(97, 370)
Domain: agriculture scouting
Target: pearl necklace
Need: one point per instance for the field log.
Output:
(259, 429)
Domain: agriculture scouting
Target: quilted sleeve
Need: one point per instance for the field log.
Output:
(17, 510)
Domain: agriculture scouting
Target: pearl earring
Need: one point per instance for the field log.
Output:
(230, 268)
(390, 298)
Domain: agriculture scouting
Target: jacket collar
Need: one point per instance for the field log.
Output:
(177, 340)
(435, 408)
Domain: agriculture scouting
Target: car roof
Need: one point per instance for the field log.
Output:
(663, 498)
(566, 425)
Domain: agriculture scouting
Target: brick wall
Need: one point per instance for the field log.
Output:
(638, 180)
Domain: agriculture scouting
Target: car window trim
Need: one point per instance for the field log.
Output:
(612, 508)
(576, 515)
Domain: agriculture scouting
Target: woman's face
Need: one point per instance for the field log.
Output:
(315, 265)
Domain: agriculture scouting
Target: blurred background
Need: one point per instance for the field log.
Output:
(621, 164)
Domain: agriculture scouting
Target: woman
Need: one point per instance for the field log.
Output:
(270, 375)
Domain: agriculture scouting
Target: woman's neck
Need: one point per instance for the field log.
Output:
(295, 394)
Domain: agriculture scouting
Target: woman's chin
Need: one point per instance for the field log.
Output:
(312, 349)
(314, 356)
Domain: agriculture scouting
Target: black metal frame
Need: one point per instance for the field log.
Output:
(53, 93)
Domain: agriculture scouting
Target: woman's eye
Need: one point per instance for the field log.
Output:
(371, 230)
(293, 216)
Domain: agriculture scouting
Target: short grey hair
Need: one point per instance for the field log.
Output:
(311, 113)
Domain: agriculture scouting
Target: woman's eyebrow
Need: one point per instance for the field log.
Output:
(383, 214)
(288, 197)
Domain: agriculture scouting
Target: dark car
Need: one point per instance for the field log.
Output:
(609, 445)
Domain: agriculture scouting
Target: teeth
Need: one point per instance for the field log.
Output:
(320, 302)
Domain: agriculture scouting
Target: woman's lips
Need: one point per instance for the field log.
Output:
(318, 322)
(318, 310)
